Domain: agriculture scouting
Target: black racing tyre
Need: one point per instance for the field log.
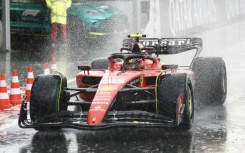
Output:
(76, 33)
(211, 81)
(170, 88)
(47, 97)
(100, 63)
(188, 115)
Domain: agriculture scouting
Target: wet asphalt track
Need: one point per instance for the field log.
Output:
(216, 129)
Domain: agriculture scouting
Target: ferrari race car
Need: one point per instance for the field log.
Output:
(129, 89)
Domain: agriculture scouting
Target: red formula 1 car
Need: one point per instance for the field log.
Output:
(129, 89)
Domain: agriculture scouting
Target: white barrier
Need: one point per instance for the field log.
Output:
(193, 17)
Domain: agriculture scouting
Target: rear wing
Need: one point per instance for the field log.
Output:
(168, 45)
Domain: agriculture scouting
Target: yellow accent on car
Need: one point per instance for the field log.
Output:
(141, 81)
(136, 35)
(108, 87)
(136, 122)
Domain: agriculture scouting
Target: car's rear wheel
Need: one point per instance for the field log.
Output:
(175, 99)
(100, 63)
(211, 80)
(47, 97)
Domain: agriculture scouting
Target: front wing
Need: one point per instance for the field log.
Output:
(78, 120)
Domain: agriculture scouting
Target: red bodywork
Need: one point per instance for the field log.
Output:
(128, 89)
(113, 79)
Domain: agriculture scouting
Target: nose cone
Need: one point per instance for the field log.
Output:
(95, 117)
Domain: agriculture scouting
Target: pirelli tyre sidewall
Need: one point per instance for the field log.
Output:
(210, 81)
(170, 88)
(100, 63)
(47, 96)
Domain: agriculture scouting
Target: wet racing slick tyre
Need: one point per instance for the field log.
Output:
(47, 98)
(175, 99)
(100, 63)
(211, 81)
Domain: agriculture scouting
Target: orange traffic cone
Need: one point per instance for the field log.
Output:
(29, 82)
(53, 66)
(4, 98)
(15, 96)
(46, 69)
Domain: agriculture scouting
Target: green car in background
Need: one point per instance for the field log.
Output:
(85, 20)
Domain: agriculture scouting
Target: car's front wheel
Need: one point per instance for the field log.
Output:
(188, 114)
(47, 98)
(175, 99)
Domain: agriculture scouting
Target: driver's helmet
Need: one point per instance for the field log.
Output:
(133, 64)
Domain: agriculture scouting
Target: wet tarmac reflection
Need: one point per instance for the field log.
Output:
(204, 137)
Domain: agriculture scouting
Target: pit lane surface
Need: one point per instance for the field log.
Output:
(216, 129)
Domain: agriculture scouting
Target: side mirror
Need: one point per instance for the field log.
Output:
(84, 67)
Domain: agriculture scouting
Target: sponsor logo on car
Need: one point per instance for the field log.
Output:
(112, 81)
(97, 109)
(108, 87)
(101, 103)
(104, 93)
(167, 42)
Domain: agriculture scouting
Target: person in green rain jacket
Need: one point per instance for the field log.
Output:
(58, 12)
